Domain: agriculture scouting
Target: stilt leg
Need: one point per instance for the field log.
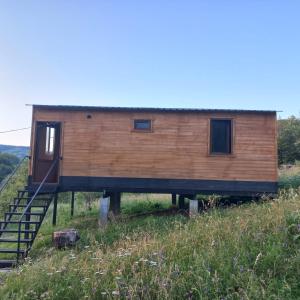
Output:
(72, 204)
(115, 203)
(181, 202)
(54, 209)
(174, 198)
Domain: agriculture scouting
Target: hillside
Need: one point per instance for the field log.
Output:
(19, 151)
(222, 254)
(250, 251)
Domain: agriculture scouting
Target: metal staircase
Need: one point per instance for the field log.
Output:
(20, 226)
(22, 222)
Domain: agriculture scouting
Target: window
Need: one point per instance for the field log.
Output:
(142, 125)
(50, 136)
(220, 136)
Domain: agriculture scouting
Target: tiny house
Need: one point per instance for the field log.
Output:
(182, 152)
(154, 150)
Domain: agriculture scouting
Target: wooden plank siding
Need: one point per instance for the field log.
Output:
(178, 147)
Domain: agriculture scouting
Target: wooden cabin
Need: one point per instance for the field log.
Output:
(154, 150)
(183, 152)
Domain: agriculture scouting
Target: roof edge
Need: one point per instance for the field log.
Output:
(147, 109)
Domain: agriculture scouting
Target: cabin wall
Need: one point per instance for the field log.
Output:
(178, 148)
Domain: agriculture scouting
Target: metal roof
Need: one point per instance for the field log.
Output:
(148, 109)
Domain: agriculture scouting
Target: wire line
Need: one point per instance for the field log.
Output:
(11, 130)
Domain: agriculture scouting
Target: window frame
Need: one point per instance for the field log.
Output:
(147, 130)
(232, 137)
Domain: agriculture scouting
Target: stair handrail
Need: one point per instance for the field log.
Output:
(30, 202)
(10, 176)
(39, 188)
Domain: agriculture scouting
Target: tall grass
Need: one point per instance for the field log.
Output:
(245, 252)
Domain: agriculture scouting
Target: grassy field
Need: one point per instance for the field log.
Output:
(250, 251)
(244, 252)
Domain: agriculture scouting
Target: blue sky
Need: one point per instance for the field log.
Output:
(206, 54)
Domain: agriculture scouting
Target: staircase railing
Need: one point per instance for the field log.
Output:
(10, 176)
(28, 206)
(4, 225)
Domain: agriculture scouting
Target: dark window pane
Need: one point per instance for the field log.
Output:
(220, 134)
(142, 124)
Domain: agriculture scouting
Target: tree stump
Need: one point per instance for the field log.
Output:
(65, 238)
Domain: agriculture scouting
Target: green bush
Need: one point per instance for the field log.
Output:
(289, 140)
(7, 164)
(289, 181)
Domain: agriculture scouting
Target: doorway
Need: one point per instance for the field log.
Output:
(47, 151)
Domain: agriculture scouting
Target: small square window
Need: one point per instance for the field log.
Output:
(220, 136)
(142, 125)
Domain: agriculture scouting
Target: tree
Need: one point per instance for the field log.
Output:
(289, 140)
(7, 164)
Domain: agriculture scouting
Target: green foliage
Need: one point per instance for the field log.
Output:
(18, 181)
(293, 222)
(222, 254)
(141, 203)
(289, 140)
(289, 176)
(7, 164)
(292, 181)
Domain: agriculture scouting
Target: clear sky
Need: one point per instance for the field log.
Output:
(165, 53)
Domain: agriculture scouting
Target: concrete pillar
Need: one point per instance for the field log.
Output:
(103, 211)
(193, 208)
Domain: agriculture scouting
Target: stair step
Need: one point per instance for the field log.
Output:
(3, 240)
(35, 199)
(27, 213)
(22, 222)
(17, 208)
(7, 263)
(16, 231)
(23, 206)
(11, 250)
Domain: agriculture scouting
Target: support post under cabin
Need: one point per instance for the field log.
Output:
(174, 196)
(193, 207)
(54, 209)
(103, 210)
(115, 202)
(181, 202)
(72, 203)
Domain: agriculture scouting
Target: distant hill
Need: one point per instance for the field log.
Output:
(19, 151)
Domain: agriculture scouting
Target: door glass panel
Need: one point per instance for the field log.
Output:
(50, 139)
